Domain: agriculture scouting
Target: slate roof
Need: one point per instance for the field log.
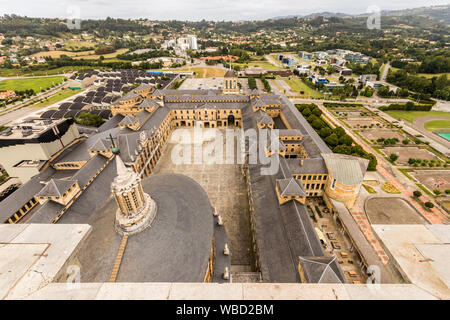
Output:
(263, 118)
(258, 103)
(146, 103)
(310, 165)
(175, 248)
(230, 74)
(347, 170)
(55, 188)
(130, 95)
(321, 270)
(101, 145)
(291, 188)
(25, 193)
(127, 120)
(89, 170)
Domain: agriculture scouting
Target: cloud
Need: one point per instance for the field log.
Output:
(198, 9)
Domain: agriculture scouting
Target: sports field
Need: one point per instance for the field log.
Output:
(411, 115)
(436, 125)
(30, 83)
(299, 86)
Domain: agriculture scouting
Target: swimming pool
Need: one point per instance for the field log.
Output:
(445, 135)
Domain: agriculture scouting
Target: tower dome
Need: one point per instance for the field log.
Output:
(136, 208)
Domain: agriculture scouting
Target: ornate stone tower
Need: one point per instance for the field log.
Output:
(136, 208)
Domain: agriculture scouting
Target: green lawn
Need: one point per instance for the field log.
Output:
(24, 72)
(262, 64)
(411, 115)
(298, 85)
(31, 83)
(437, 125)
(61, 95)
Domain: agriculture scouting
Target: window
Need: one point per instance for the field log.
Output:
(333, 184)
(314, 177)
(319, 178)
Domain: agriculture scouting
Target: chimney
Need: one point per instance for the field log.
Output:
(226, 250)
(301, 163)
(226, 274)
(219, 220)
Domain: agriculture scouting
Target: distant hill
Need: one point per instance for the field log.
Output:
(324, 14)
(438, 13)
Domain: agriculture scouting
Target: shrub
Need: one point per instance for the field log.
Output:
(437, 192)
(393, 157)
(429, 205)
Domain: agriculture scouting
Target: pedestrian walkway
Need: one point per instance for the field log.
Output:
(364, 225)
(118, 261)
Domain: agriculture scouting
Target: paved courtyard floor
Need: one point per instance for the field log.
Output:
(227, 192)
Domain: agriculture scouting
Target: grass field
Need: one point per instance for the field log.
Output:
(437, 125)
(87, 55)
(31, 83)
(262, 64)
(298, 85)
(23, 72)
(201, 72)
(411, 115)
(75, 45)
(61, 95)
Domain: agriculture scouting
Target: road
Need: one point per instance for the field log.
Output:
(11, 110)
(28, 112)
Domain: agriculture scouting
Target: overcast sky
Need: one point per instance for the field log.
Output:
(198, 9)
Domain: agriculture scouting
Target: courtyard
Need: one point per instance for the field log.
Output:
(227, 192)
(392, 210)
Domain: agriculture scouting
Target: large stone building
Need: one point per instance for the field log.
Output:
(73, 189)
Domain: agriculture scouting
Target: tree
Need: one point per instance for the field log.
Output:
(332, 140)
(393, 157)
(429, 205)
(306, 112)
(317, 112)
(417, 194)
(339, 131)
(437, 192)
(405, 142)
(324, 132)
(346, 139)
(90, 119)
(317, 124)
